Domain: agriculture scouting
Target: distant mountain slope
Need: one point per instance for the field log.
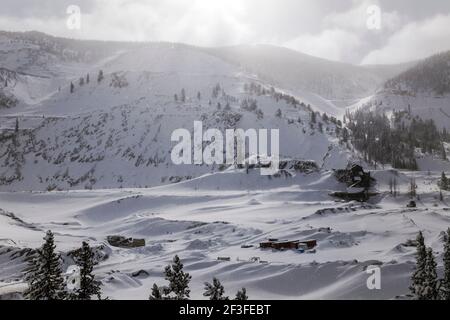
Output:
(300, 72)
(429, 77)
(35, 64)
(117, 132)
(423, 90)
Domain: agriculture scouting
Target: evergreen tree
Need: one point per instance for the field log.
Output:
(320, 127)
(87, 78)
(199, 95)
(313, 117)
(81, 82)
(419, 276)
(241, 294)
(183, 95)
(214, 291)
(445, 282)
(431, 290)
(156, 293)
(178, 280)
(175, 97)
(278, 113)
(16, 129)
(444, 183)
(88, 285)
(72, 87)
(44, 277)
(443, 153)
(412, 188)
(100, 76)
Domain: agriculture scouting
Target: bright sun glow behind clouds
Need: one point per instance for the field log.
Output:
(201, 22)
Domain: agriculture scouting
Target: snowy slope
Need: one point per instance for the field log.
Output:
(113, 138)
(213, 216)
(423, 88)
(292, 70)
(116, 133)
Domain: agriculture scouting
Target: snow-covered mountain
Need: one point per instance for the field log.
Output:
(110, 133)
(329, 80)
(116, 132)
(423, 90)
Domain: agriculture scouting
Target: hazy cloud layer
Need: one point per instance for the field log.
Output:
(330, 29)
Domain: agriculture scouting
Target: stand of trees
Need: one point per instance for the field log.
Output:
(383, 140)
(178, 287)
(425, 284)
(45, 277)
(444, 182)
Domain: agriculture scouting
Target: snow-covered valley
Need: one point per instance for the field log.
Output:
(214, 216)
(94, 161)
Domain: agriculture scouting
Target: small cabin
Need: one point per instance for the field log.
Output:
(123, 242)
(287, 245)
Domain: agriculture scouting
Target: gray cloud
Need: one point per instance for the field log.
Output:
(325, 28)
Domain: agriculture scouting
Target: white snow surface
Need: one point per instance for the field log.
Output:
(96, 162)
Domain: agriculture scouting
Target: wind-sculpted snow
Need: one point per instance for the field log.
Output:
(201, 225)
(106, 136)
(87, 154)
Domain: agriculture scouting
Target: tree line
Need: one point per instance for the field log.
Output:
(383, 140)
(425, 284)
(178, 287)
(46, 280)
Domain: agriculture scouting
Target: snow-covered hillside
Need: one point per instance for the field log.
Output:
(116, 132)
(332, 81)
(423, 89)
(85, 151)
(227, 215)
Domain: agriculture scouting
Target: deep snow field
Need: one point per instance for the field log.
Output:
(214, 215)
(96, 162)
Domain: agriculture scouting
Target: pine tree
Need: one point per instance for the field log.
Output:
(241, 294)
(16, 129)
(412, 188)
(445, 282)
(431, 291)
(313, 117)
(394, 185)
(44, 277)
(87, 78)
(88, 285)
(214, 291)
(100, 76)
(320, 127)
(444, 183)
(72, 87)
(443, 153)
(183, 95)
(199, 95)
(156, 293)
(178, 280)
(81, 82)
(419, 276)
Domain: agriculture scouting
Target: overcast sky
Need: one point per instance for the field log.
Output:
(331, 29)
